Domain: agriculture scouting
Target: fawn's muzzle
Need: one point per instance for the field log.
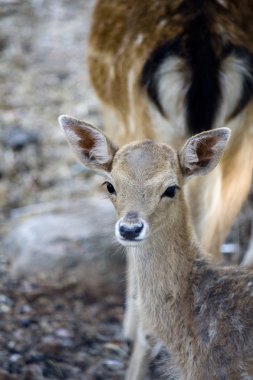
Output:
(130, 232)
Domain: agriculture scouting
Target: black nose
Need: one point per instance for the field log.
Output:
(130, 232)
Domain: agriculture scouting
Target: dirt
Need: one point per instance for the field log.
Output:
(64, 331)
(64, 328)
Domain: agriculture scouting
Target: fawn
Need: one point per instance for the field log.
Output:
(202, 312)
(165, 70)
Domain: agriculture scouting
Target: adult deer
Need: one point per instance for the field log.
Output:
(165, 70)
(203, 313)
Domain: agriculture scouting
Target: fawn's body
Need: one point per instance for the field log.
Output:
(202, 313)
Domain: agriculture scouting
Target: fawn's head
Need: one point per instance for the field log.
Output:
(144, 179)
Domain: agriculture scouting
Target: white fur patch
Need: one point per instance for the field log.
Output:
(223, 3)
(231, 76)
(162, 23)
(139, 39)
(112, 72)
(173, 81)
(131, 101)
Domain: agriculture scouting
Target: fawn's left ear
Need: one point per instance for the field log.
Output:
(201, 153)
(89, 144)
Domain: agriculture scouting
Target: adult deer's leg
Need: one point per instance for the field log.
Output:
(248, 257)
(130, 317)
(139, 360)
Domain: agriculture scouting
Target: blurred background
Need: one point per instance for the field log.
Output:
(62, 279)
(62, 288)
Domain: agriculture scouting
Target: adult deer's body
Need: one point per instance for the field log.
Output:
(202, 313)
(166, 69)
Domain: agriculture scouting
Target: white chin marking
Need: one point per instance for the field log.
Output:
(130, 243)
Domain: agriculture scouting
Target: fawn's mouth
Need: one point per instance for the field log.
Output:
(130, 242)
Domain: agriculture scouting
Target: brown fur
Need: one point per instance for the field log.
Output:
(116, 25)
(123, 36)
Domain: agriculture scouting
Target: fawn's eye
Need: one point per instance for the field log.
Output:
(109, 187)
(170, 192)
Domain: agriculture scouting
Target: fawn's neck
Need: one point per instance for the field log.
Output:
(163, 268)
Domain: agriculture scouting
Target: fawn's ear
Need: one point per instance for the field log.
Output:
(201, 153)
(89, 144)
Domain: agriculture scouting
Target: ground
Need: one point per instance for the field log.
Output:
(65, 323)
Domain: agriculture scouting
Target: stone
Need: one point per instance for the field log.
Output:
(32, 372)
(17, 138)
(4, 375)
(60, 236)
(62, 333)
(113, 364)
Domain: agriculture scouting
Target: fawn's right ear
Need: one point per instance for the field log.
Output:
(89, 144)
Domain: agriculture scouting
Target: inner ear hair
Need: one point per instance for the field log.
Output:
(201, 153)
(89, 143)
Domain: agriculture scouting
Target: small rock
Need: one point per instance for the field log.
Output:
(63, 333)
(4, 309)
(24, 309)
(4, 375)
(15, 358)
(9, 2)
(16, 347)
(113, 365)
(3, 42)
(49, 346)
(81, 357)
(4, 300)
(46, 327)
(115, 348)
(67, 343)
(58, 307)
(32, 372)
(17, 139)
(19, 334)
(26, 322)
(34, 357)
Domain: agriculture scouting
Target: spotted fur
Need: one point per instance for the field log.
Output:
(165, 70)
